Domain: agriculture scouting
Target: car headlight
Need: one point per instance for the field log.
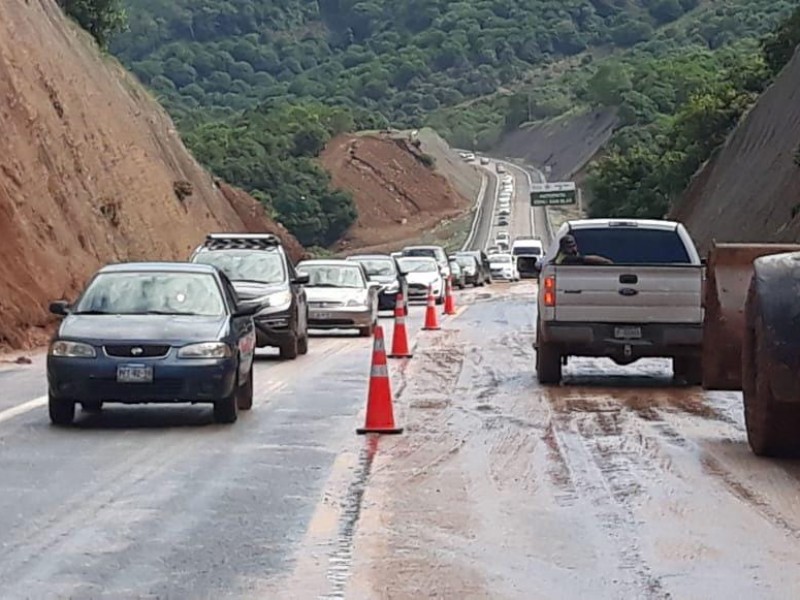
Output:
(356, 302)
(205, 350)
(72, 350)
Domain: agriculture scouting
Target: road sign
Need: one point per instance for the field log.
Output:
(554, 194)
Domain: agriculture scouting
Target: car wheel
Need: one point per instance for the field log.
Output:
(227, 410)
(302, 344)
(93, 406)
(289, 350)
(548, 364)
(440, 300)
(244, 395)
(62, 412)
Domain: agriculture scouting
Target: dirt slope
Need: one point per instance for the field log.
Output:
(397, 196)
(750, 191)
(565, 144)
(91, 171)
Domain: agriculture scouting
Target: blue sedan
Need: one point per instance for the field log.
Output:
(152, 332)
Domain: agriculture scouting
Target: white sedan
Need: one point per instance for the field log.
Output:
(503, 266)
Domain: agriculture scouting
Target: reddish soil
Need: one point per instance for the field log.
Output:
(92, 171)
(750, 190)
(397, 195)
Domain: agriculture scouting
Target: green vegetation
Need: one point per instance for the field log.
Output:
(101, 18)
(677, 110)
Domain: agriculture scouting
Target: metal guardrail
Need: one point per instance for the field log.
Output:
(479, 203)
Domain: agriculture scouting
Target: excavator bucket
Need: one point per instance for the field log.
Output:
(728, 274)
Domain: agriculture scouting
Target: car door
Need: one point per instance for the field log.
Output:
(298, 298)
(243, 330)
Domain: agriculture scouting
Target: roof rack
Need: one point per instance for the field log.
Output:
(241, 241)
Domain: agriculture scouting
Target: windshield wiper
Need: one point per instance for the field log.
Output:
(94, 312)
(170, 313)
(259, 281)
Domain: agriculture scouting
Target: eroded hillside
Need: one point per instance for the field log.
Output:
(398, 192)
(750, 190)
(91, 171)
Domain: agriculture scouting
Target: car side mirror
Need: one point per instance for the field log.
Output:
(246, 310)
(374, 284)
(301, 279)
(60, 308)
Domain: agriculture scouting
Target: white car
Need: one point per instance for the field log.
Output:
(502, 237)
(503, 266)
(422, 273)
(504, 212)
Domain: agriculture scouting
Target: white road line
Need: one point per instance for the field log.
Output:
(21, 409)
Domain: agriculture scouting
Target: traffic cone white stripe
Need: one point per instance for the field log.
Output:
(379, 371)
(380, 345)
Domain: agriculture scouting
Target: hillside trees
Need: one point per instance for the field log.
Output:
(101, 18)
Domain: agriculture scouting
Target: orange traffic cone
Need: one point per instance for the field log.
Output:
(449, 299)
(400, 336)
(380, 415)
(431, 319)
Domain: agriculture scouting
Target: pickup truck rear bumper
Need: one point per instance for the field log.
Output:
(601, 339)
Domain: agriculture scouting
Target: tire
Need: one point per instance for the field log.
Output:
(367, 331)
(62, 412)
(688, 368)
(771, 428)
(290, 349)
(92, 406)
(244, 395)
(302, 344)
(548, 364)
(226, 411)
(440, 300)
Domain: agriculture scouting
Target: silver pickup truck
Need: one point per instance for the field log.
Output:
(646, 303)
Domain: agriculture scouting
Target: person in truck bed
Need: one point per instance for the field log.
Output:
(568, 254)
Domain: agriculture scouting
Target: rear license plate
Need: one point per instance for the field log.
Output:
(134, 374)
(628, 333)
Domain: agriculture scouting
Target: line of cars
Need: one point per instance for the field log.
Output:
(187, 332)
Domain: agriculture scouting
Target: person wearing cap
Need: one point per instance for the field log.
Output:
(568, 254)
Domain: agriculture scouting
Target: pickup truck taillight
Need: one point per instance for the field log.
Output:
(550, 291)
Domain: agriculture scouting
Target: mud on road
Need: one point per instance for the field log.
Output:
(620, 484)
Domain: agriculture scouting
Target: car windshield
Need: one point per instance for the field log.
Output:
(429, 252)
(142, 293)
(345, 276)
(377, 267)
(419, 265)
(465, 261)
(633, 245)
(264, 266)
(500, 259)
(528, 250)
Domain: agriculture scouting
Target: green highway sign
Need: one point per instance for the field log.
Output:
(554, 194)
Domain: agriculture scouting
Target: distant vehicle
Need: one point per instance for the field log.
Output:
(503, 267)
(422, 273)
(263, 274)
(459, 277)
(502, 220)
(385, 270)
(468, 156)
(508, 179)
(634, 291)
(528, 252)
(153, 333)
(501, 237)
(483, 276)
(492, 250)
(504, 212)
(500, 168)
(470, 268)
(436, 252)
(340, 295)
(484, 160)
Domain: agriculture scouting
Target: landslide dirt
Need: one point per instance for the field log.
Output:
(397, 195)
(92, 171)
(750, 190)
(566, 144)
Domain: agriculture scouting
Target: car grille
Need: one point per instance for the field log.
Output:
(161, 389)
(331, 304)
(418, 287)
(142, 350)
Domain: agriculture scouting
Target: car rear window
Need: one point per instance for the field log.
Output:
(529, 250)
(633, 245)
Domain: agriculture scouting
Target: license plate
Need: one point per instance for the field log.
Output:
(628, 333)
(322, 315)
(134, 374)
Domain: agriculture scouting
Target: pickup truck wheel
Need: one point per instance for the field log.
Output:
(771, 428)
(548, 364)
(688, 368)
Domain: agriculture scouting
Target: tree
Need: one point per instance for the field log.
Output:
(101, 18)
(608, 85)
